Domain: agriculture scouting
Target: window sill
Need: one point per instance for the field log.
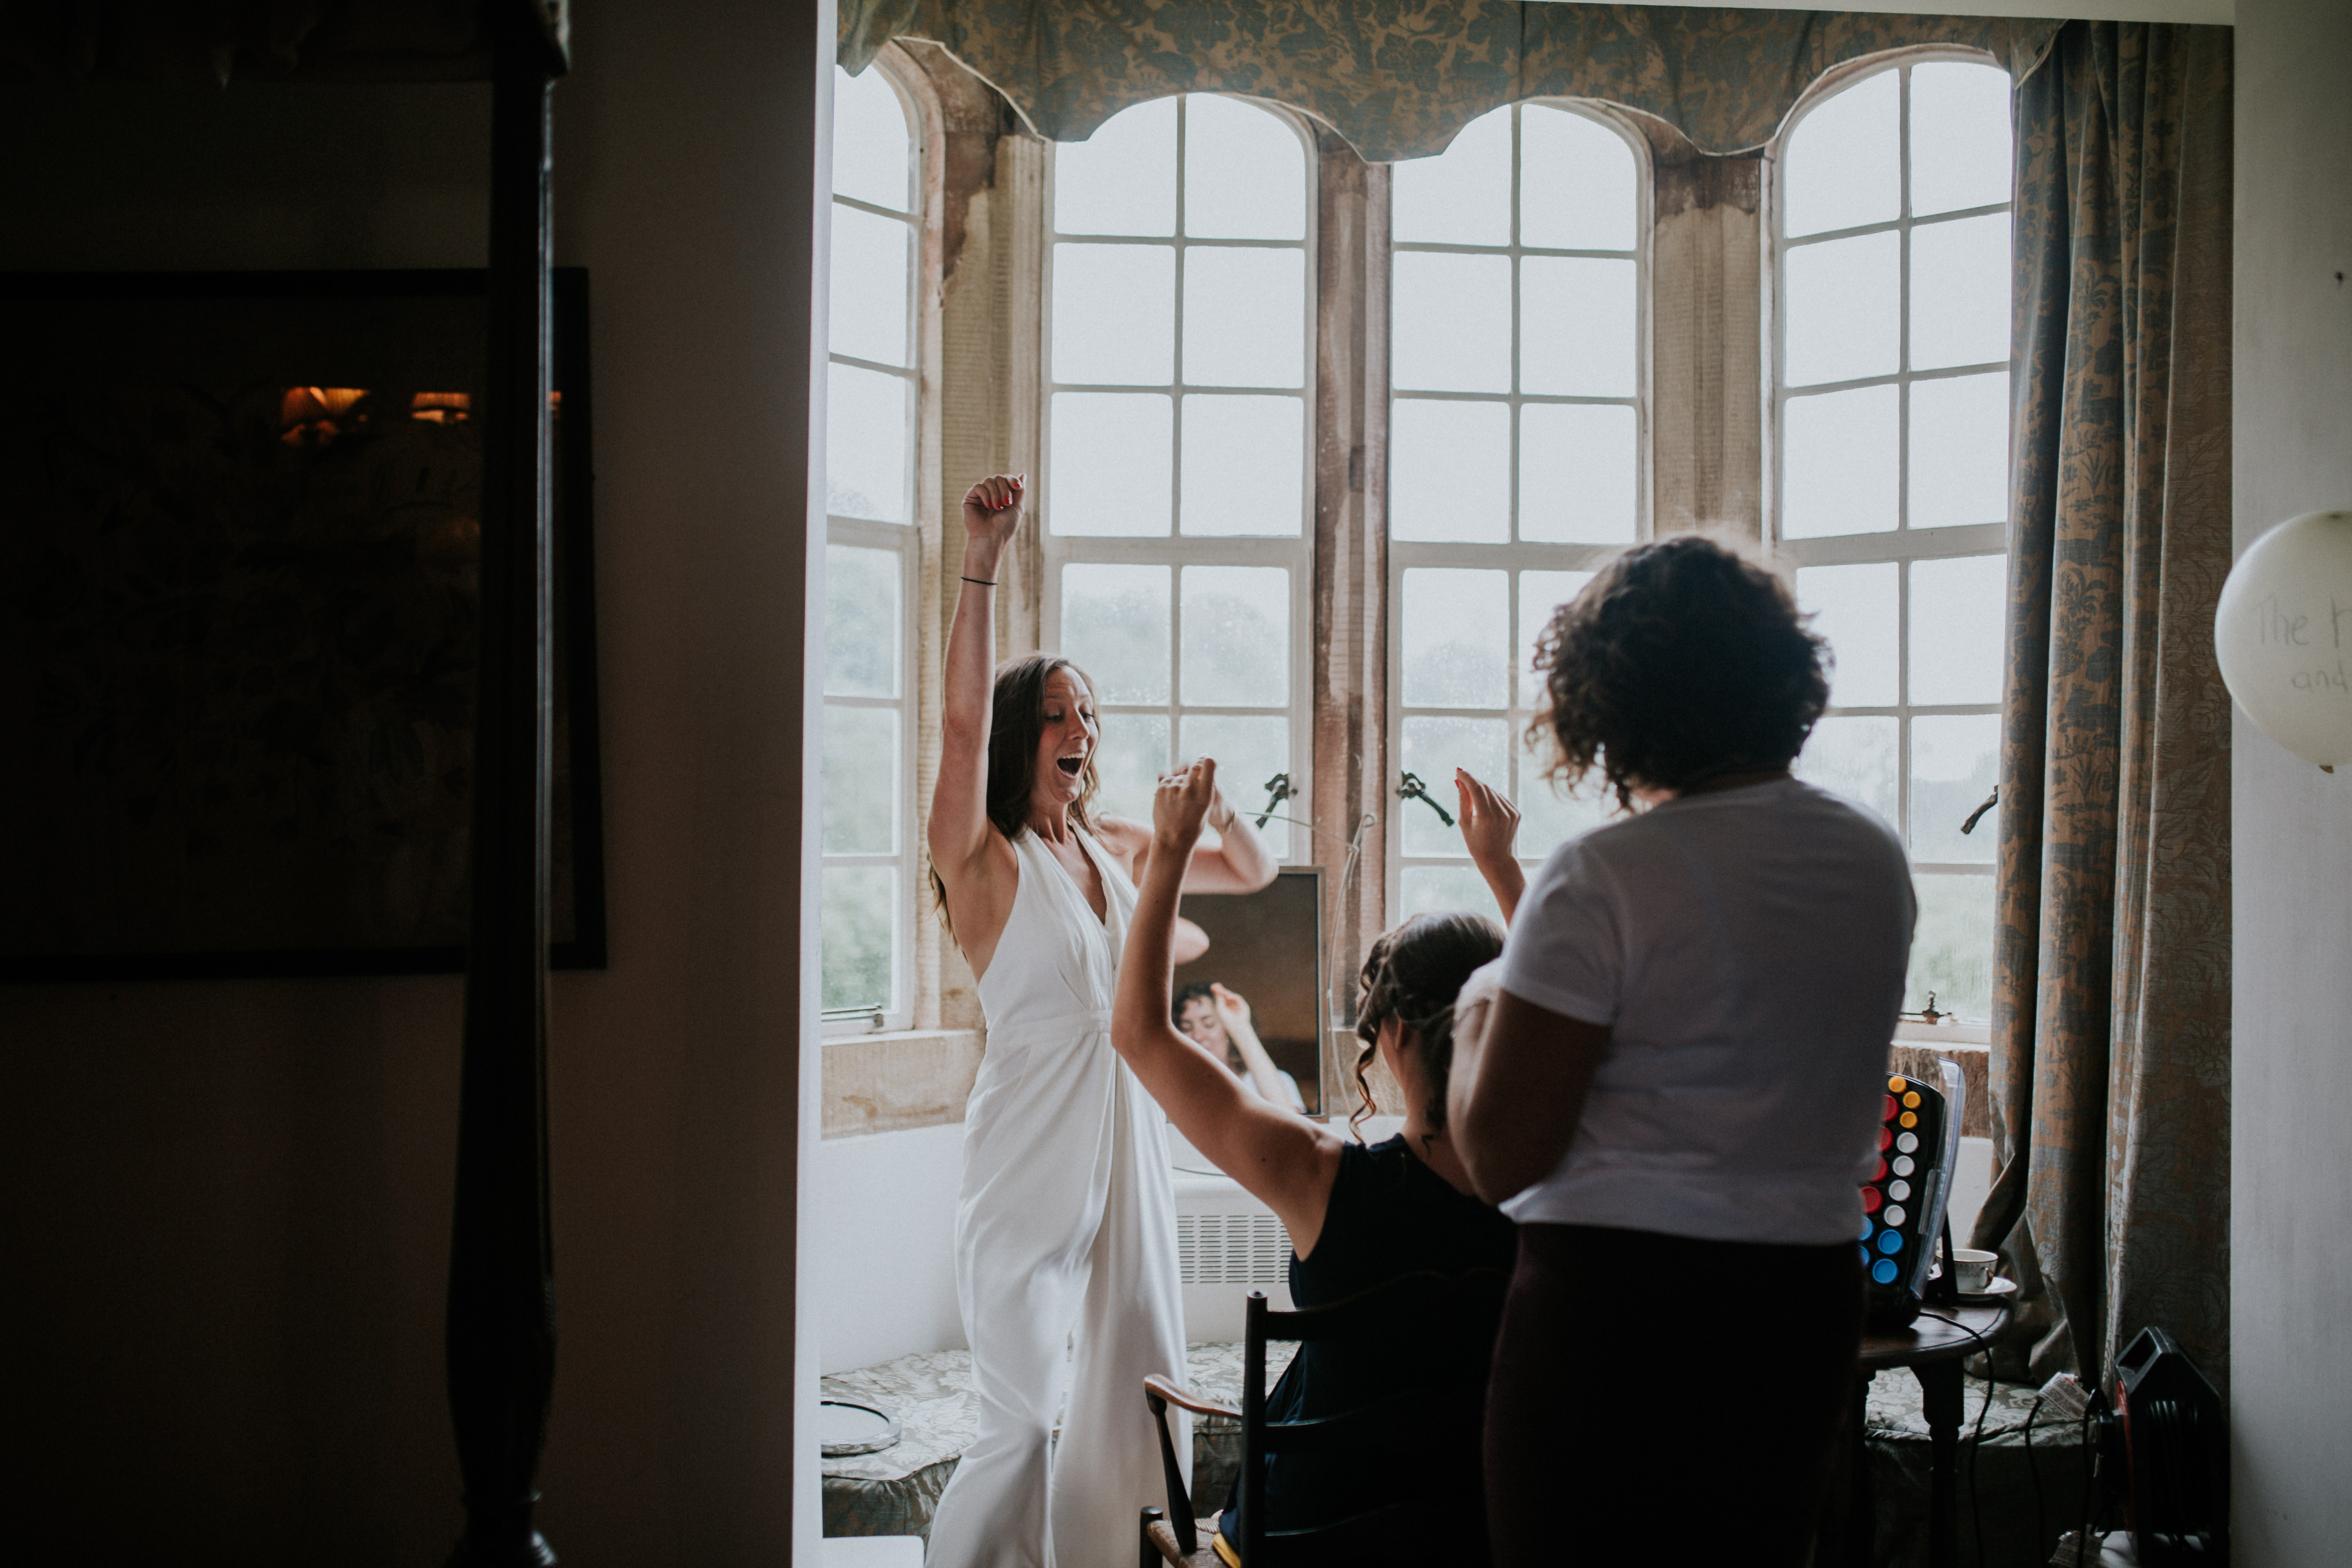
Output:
(895, 1081)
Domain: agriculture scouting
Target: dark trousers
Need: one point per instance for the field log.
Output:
(1660, 1399)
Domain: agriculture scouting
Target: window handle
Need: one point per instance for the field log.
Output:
(1409, 787)
(1277, 790)
(1977, 815)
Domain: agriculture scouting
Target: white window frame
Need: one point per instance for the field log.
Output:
(1522, 771)
(1177, 550)
(905, 539)
(1903, 545)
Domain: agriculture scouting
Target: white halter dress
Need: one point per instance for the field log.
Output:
(1065, 1226)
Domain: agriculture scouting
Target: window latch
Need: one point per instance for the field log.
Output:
(1409, 787)
(1977, 815)
(1277, 790)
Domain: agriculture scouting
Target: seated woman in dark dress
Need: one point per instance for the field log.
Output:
(1357, 1216)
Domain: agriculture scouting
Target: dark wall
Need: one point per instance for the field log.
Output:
(228, 1202)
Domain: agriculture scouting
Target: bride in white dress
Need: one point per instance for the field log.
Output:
(1066, 1224)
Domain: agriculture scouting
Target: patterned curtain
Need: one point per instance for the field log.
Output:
(1399, 78)
(2111, 1002)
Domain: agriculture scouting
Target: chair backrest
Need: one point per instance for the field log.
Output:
(1441, 1331)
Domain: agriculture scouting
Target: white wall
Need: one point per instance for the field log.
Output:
(2291, 1067)
(886, 1246)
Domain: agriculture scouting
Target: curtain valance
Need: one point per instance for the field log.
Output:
(1399, 78)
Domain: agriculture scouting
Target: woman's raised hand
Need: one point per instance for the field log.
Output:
(1489, 823)
(1231, 1005)
(991, 515)
(1182, 803)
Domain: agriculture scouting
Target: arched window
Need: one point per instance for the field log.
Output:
(1517, 451)
(1179, 399)
(871, 555)
(1891, 233)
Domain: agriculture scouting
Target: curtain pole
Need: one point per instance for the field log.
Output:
(501, 1310)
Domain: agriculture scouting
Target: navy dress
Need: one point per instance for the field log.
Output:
(1389, 1215)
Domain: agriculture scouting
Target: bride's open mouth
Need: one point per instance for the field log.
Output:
(1070, 766)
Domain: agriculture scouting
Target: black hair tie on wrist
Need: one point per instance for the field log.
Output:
(983, 581)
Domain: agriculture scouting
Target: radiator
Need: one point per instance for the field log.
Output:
(1227, 1245)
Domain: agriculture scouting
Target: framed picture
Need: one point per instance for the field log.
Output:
(1266, 948)
(239, 532)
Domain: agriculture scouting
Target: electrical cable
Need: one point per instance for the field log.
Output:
(1976, 1446)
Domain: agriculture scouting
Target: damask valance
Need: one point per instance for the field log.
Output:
(1399, 78)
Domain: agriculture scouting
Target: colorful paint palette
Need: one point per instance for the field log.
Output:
(1902, 1204)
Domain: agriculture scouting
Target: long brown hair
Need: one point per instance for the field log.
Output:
(1016, 721)
(1413, 974)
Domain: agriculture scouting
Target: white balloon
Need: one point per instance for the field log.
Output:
(2284, 634)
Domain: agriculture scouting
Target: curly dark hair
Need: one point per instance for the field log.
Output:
(1679, 663)
(1413, 974)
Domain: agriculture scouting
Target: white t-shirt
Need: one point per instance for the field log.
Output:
(1747, 950)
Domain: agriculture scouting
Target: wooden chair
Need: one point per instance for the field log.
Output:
(1442, 1330)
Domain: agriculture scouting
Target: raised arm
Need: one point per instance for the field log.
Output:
(1490, 826)
(958, 832)
(1286, 1160)
(1241, 1027)
(1517, 1091)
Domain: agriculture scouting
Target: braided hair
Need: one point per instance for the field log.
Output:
(1413, 974)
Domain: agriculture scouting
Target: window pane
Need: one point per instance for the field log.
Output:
(1955, 628)
(1959, 292)
(868, 282)
(1443, 889)
(861, 780)
(1858, 609)
(1548, 816)
(1577, 473)
(1452, 322)
(1250, 750)
(1456, 648)
(1461, 197)
(862, 637)
(1245, 465)
(873, 152)
(865, 444)
(1542, 594)
(1110, 459)
(1854, 758)
(1236, 635)
(1244, 171)
(1951, 951)
(1955, 761)
(1576, 183)
(1244, 316)
(1959, 451)
(1450, 471)
(1960, 137)
(1122, 179)
(1838, 463)
(854, 934)
(1134, 754)
(1115, 314)
(1114, 624)
(1844, 167)
(1576, 326)
(1844, 306)
(1433, 748)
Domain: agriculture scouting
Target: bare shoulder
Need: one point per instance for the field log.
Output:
(1125, 838)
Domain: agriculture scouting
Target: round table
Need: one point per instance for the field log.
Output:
(1932, 1346)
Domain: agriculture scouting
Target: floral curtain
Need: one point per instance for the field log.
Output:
(1399, 78)
(2111, 1003)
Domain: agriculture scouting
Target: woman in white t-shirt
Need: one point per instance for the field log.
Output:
(1670, 1080)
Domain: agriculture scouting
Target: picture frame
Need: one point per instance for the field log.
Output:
(238, 545)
